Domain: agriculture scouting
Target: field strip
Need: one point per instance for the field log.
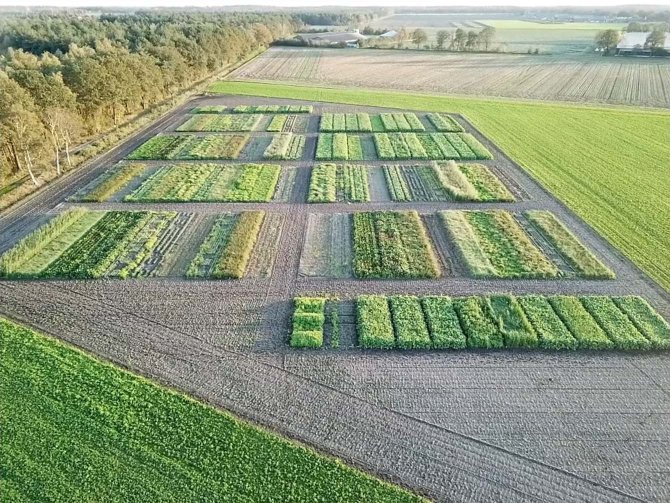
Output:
(237, 385)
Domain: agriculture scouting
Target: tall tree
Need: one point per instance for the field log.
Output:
(472, 40)
(460, 38)
(486, 36)
(419, 37)
(607, 40)
(655, 40)
(443, 36)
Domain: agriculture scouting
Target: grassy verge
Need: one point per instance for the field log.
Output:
(76, 429)
(592, 158)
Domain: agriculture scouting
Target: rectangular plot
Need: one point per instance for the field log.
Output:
(183, 147)
(646, 320)
(551, 332)
(409, 325)
(581, 324)
(488, 187)
(373, 322)
(327, 248)
(444, 123)
(512, 322)
(220, 123)
(443, 324)
(616, 324)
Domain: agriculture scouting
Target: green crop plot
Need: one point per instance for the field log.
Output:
(506, 321)
(342, 123)
(393, 245)
(69, 420)
(184, 147)
(220, 122)
(339, 147)
(226, 251)
(576, 161)
(429, 146)
(444, 123)
(330, 183)
(210, 109)
(93, 244)
(491, 243)
(273, 109)
(308, 322)
(111, 182)
(209, 183)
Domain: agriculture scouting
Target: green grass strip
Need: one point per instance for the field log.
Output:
(75, 429)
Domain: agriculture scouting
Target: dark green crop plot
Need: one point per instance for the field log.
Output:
(393, 245)
(373, 322)
(616, 324)
(77, 429)
(442, 320)
(308, 322)
(581, 324)
(478, 326)
(410, 326)
(551, 332)
(512, 322)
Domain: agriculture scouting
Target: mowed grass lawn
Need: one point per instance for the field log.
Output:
(77, 429)
(610, 165)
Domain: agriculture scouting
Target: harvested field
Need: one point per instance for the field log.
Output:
(582, 78)
(327, 249)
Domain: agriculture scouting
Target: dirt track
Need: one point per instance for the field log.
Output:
(467, 426)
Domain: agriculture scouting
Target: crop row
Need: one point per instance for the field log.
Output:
(209, 183)
(277, 123)
(226, 251)
(285, 146)
(209, 109)
(445, 123)
(340, 123)
(444, 182)
(273, 109)
(433, 146)
(392, 245)
(220, 122)
(504, 321)
(398, 122)
(491, 243)
(111, 182)
(330, 183)
(339, 147)
(566, 243)
(184, 147)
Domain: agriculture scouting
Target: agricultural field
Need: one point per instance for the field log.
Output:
(92, 244)
(563, 77)
(224, 454)
(392, 245)
(285, 147)
(209, 109)
(330, 183)
(109, 183)
(220, 122)
(506, 321)
(445, 182)
(327, 248)
(185, 147)
(209, 183)
(429, 146)
(227, 249)
(272, 109)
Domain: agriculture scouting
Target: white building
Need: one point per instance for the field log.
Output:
(635, 42)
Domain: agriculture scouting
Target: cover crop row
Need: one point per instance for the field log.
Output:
(285, 146)
(393, 245)
(220, 122)
(330, 183)
(339, 147)
(445, 123)
(492, 244)
(504, 321)
(433, 146)
(226, 251)
(445, 182)
(209, 183)
(184, 147)
(273, 109)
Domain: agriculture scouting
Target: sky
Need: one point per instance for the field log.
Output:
(339, 3)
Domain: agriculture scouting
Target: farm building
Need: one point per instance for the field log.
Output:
(636, 43)
(389, 34)
(349, 39)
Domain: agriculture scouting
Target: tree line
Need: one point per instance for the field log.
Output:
(65, 77)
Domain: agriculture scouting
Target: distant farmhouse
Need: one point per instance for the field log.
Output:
(635, 43)
(332, 39)
(350, 39)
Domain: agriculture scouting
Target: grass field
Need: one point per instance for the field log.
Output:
(75, 428)
(575, 78)
(606, 164)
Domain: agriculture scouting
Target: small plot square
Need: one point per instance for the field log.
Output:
(220, 122)
(340, 147)
(209, 183)
(393, 245)
(185, 147)
(330, 183)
